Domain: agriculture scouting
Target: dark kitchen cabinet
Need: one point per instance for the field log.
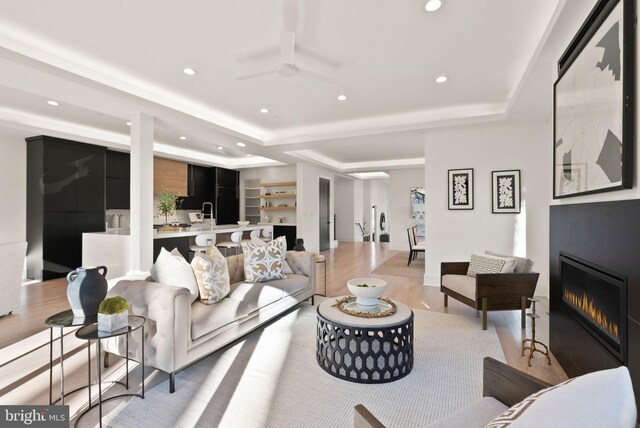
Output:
(201, 187)
(227, 205)
(289, 232)
(66, 184)
(118, 180)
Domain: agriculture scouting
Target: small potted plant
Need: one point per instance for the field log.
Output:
(166, 204)
(113, 314)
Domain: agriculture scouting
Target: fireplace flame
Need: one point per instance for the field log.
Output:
(586, 306)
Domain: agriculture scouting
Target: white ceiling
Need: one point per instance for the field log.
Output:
(105, 61)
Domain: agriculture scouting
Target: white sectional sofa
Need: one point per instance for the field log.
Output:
(179, 333)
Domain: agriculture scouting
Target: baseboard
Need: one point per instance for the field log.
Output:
(334, 244)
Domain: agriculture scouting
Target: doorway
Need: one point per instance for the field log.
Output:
(325, 215)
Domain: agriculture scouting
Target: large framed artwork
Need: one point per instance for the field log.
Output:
(461, 189)
(594, 104)
(505, 192)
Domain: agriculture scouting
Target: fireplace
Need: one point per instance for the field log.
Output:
(596, 298)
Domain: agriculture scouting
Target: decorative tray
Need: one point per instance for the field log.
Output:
(349, 306)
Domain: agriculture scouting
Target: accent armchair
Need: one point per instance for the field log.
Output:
(488, 291)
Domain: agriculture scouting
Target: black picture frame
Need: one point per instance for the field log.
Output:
(455, 202)
(509, 203)
(572, 179)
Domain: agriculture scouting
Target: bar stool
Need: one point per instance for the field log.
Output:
(202, 240)
(236, 238)
(266, 234)
(255, 234)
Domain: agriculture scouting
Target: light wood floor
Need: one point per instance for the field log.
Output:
(349, 260)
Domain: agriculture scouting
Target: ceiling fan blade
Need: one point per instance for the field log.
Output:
(254, 75)
(316, 76)
(287, 46)
(289, 15)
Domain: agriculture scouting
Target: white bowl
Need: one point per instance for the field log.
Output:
(367, 296)
(243, 223)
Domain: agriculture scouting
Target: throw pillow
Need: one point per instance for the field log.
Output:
(483, 263)
(263, 262)
(600, 399)
(212, 275)
(283, 243)
(172, 269)
(523, 264)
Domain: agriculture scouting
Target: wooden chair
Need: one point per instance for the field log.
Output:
(500, 381)
(414, 248)
(488, 291)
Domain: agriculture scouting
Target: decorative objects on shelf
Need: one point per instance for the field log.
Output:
(532, 346)
(383, 308)
(87, 288)
(505, 194)
(461, 189)
(113, 314)
(367, 290)
(595, 92)
(166, 204)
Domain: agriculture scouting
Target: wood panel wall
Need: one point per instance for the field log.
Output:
(170, 175)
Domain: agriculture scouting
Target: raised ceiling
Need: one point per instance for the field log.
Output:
(118, 57)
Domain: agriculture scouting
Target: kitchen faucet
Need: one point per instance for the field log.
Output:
(210, 213)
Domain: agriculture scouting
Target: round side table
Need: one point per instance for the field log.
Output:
(364, 350)
(64, 320)
(90, 332)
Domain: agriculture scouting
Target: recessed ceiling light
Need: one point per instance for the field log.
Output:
(433, 5)
(241, 144)
(128, 123)
(53, 103)
(248, 156)
(264, 110)
(342, 97)
(220, 148)
(189, 71)
(441, 79)
(183, 137)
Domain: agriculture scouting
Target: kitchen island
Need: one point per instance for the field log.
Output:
(112, 248)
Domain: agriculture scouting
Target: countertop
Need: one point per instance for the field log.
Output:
(190, 231)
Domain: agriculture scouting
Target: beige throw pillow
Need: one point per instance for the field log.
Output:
(212, 275)
(484, 263)
(172, 269)
(263, 262)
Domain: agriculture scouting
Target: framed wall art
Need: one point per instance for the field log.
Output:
(594, 104)
(461, 189)
(505, 192)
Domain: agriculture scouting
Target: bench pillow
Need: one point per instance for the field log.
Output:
(483, 263)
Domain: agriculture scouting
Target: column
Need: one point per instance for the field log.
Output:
(141, 193)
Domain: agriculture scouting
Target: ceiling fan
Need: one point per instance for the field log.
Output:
(287, 66)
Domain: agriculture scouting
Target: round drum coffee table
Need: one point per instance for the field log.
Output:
(364, 350)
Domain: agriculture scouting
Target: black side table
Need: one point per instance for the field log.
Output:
(64, 320)
(90, 332)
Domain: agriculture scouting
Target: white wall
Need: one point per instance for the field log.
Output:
(358, 197)
(268, 174)
(309, 203)
(399, 217)
(13, 188)
(453, 235)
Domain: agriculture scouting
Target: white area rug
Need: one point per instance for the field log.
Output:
(272, 379)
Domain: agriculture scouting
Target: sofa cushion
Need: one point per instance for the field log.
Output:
(207, 318)
(235, 265)
(523, 264)
(484, 263)
(172, 269)
(292, 285)
(461, 284)
(599, 399)
(212, 275)
(255, 295)
(475, 415)
(263, 263)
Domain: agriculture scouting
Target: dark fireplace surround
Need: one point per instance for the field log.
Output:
(594, 267)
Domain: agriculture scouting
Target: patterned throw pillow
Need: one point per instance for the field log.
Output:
(483, 263)
(263, 262)
(212, 275)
